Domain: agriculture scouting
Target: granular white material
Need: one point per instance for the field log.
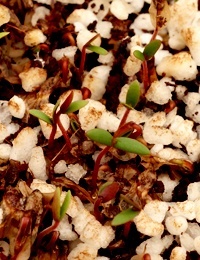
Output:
(75, 172)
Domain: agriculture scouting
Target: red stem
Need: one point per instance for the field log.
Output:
(46, 231)
(97, 164)
(124, 118)
(52, 135)
(154, 34)
(52, 241)
(145, 75)
(64, 132)
(83, 58)
(126, 230)
(83, 54)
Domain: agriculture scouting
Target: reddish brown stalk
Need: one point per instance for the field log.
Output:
(52, 135)
(56, 121)
(145, 75)
(52, 241)
(126, 230)
(46, 231)
(65, 134)
(97, 164)
(154, 34)
(137, 132)
(129, 128)
(124, 118)
(83, 54)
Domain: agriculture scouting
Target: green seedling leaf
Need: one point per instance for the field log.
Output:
(139, 55)
(3, 34)
(97, 49)
(100, 136)
(131, 146)
(124, 217)
(76, 105)
(41, 115)
(56, 204)
(55, 107)
(151, 49)
(133, 94)
(65, 204)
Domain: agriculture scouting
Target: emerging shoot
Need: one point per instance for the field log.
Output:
(124, 217)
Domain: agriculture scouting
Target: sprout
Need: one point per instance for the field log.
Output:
(76, 105)
(100, 136)
(89, 46)
(149, 51)
(107, 192)
(133, 94)
(67, 107)
(123, 143)
(97, 49)
(41, 115)
(118, 140)
(139, 55)
(147, 54)
(65, 204)
(124, 217)
(57, 210)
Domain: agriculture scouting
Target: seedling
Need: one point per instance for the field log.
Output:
(107, 192)
(89, 46)
(67, 107)
(147, 54)
(97, 49)
(57, 211)
(132, 98)
(124, 217)
(120, 140)
(3, 34)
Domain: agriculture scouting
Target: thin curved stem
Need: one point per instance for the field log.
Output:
(65, 135)
(145, 75)
(97, 164)
(46, 231)
(52, 135)
(124, 118)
